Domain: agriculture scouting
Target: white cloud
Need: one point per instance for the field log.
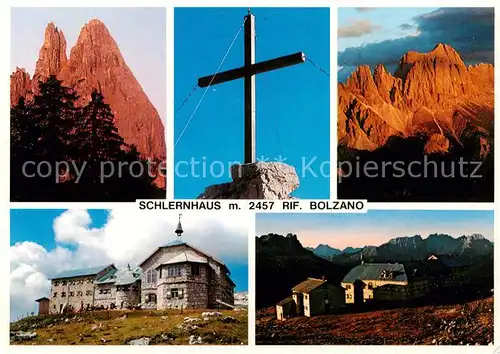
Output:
(128, 236)
(357, 28)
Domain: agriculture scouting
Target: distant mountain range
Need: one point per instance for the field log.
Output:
(327, 252)
(282, 261)
(409, 248)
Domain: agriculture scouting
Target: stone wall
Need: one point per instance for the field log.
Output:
(166, 301)
(105, 295)
(71, 293)
(128, 295)
(198, 291)
(220, 287)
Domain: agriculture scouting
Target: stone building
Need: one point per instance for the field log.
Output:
(310, 298)
(362, 279)
(370, 282)
(119, 288)
(178, 275)
(175, 275)
(74, 289)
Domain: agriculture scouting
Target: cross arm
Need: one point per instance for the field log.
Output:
(257, 68)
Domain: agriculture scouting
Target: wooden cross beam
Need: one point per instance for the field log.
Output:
(248, 72)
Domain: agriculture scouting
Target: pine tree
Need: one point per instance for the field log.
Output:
(97, 138)
(23, 140)
(54, 115)
(51, 128)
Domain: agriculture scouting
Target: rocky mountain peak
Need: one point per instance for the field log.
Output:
(96, 63)
(52, 56)
(289, 242)
(431, 94)
(441, 54)
(20, 84)
(445, 51)
(96, 34)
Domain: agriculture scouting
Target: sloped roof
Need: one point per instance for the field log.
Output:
(174, 243)
(187, 256)
(308, 285)
(122, 276)
(72, 273)
(178, 242)
(285, 301)
(42, 299)
(372, 271)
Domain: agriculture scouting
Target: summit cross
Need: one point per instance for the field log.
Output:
(248, 72)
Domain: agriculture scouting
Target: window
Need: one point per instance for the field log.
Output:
(64, 282)
(88, 292)
(370, 286)
(151, 276)
(174, 271)
(63, 294)
(306, 308)
(55, 294)
(305, 296)
(71, 293)
(79, 293)
(195, 269)
(348, 286)
(56, 283)
(174, 293)
(126, 288)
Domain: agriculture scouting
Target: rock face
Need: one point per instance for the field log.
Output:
(261, 180)
(432, 94)
(96, 62)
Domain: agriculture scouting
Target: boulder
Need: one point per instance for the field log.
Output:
(260, 180)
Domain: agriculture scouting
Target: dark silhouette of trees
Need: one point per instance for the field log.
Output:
(80, 146)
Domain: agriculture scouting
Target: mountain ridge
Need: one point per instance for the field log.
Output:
(432, 93)
(96, 63)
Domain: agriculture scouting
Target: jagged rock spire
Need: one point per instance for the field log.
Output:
(179, 230)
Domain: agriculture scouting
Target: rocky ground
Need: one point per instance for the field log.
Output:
(141, 327)
(466, 324)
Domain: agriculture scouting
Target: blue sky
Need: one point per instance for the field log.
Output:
(374, 227)
(139, 33)
(292, 104)
(383, 35)
(36, 225)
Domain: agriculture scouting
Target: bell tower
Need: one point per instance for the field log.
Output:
(179, 230)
